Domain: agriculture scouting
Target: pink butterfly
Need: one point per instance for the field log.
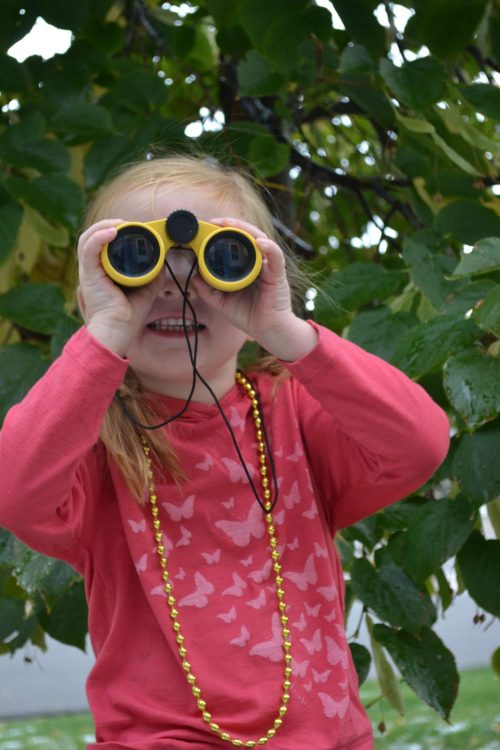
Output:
(328, 592)
(206, 464)
(199, 596)
(177, 512)
(279, 453)
(312, 512)
(331, 617)
(320, 551)
(321, 677)
(211, 559)
(293, 498)
(142, 564)
(314, 644)
(301, 623)
(158, 591)
(294, 544)
(308, 577)
(262, 575)
(228, 616)
(334, 708)
(181, 574)
(185, 538)
(247, 561)
(236, 420)
(237, 588)
(335, 654)
(297, 453)
(308, 687)
(279, 518)
(312, 611)
(271, 649)
(259, 602)
(299, 668)
(229, 503)
(137, 526)
(242, 639)
(242, 531)
(236, 471)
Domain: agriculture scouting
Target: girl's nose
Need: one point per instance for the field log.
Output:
(178, 266)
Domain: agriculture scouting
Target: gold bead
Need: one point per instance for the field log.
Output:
(287, 684)
(270, 733)
(160, 549)
(262, 459)
(250, 743)
(275, 554)
(186, 665)
(265, 482)
(258, 422)
(196, 692)
(201, 704)
(260, 446)
(154, 511)
(279, 580)
(166, 577)
(247, 385)
(283, 710)
(282, 606)
(214, 727)
(284, 619)
(182, 652)
(158, 536)
(174, 614)
(156, 523)
(191, 678)
(263, 471)
(267, 495)
(286, 697)
(256, 415)
(252, 393)
(153, 499)
(163, 563)
(259, 435)
(207, 715)
(288, 658)
(255, 403)
(176, 626)
(180, 639)
(277, 567)
(237, 743)
(225, 736)
(280, 593)
(277, 723)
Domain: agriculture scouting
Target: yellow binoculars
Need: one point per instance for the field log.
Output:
(228, 258)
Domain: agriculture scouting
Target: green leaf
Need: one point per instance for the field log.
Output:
(425, 268)
(468, 297)
(65, 328)
(83, 121)
(479, 561)
(358, 284)
(21, 366)
(484, 258)
(102, 156)
(389, 683)
(426, 664)
(472, 385)
(445, 26)
(55, 196)
(484, 97)
(42, 154)
(14, 76)
(356, 59)
(361, 25)
(476, 464)
(392, 595)
(467, 221)
(426, 346)
(419, 83)
(378, 331)
(267, 156)
(11, 216)
(57, 236)
(12, 615)
(435, 534)
(37, 307)
(67, 621)
(487, 312)
(493, 509)
(362, 661)
(256, 77)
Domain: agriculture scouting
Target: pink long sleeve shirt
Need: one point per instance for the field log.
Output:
(349, 434)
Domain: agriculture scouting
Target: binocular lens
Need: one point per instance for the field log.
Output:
(229, 256)
(134, 251)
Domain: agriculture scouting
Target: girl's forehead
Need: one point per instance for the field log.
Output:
(159, 200)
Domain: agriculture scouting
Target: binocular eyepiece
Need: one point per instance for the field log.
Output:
(228, 258)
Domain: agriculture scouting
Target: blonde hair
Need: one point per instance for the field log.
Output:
(230, 188)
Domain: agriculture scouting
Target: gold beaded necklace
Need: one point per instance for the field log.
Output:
(172, 603)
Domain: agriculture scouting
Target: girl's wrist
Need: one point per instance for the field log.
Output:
(109, 336)
(292, 339)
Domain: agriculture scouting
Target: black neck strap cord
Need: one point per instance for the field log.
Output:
(193, 353)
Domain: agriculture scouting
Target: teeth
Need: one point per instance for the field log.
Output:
(171, 324)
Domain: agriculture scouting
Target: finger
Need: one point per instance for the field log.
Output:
(89, 247)
(103, 224)
(273, 260)
(227, 221)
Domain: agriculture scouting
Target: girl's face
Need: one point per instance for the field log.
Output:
(159, 354)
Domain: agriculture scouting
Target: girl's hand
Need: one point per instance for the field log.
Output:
(263, 310)
(112, 316)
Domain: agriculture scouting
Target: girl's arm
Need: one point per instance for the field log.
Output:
(48, 458)
(372, 434)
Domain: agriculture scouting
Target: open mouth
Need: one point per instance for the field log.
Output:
(174, 325)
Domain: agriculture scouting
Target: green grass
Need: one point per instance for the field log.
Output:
(475, 722)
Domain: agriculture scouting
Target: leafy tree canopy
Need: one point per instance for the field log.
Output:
(377, 140)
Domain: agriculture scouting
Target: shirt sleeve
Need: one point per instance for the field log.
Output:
(48, 448)
(372, 435)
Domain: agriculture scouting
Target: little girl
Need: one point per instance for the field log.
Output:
(215, 603)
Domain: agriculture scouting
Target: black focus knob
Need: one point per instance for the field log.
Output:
(182, 226)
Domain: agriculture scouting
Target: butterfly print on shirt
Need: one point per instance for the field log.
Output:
(259, 602)
(241, 532)
(321, 677)
(236, 471)
(271, 649)
(307, 578)
(206, 464)
(137, 526)
(297, 453)
(301, 623)
(211, 558)
(314, 644)
(299, 668)
(185, 538)
(293, 497)
(333, 708)
(142, 564)
(178, 512)
(312, 512)
(199, 597)
(335, 654)
(259, 576)
(242, 639)
(228, 616)
(236, 420)
(228, 504)
(238, 587)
